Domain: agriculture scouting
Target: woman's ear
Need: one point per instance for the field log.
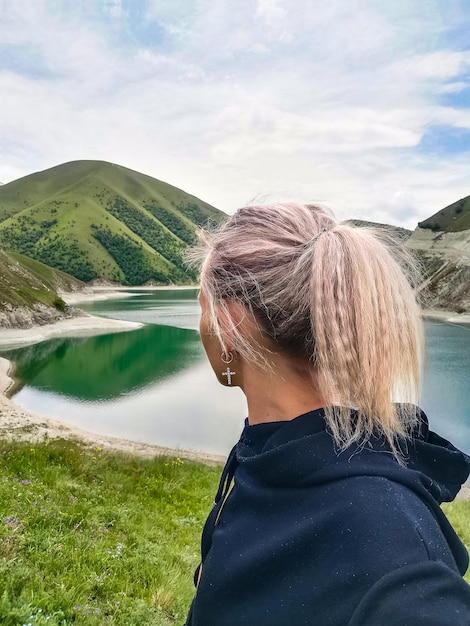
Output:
(232, 318)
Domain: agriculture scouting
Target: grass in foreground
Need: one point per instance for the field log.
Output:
(91, 537)
(88, 537)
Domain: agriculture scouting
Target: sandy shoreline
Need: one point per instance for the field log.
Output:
(106, 293)
(19, 424)
(449, 317)
(83, 326)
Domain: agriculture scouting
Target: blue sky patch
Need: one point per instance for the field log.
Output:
(24, 60)
(443, 139)
(459, 99)
(125, 22)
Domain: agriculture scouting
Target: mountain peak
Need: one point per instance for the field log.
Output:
(95, 219)
(452, 218)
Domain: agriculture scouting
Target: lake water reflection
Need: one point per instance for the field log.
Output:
(154, 384)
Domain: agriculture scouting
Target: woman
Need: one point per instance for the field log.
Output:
(328, 509)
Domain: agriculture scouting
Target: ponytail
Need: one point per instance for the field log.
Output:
(368, 334)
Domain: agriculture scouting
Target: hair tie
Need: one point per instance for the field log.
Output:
(315, 237)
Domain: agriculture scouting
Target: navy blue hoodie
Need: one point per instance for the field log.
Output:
(301, 534)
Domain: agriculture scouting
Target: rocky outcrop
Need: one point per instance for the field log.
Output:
(397, 232)
(446, 264)
(454, 246)
(26, 317)
(29, 292)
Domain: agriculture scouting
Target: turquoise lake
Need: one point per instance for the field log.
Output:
(154, 385)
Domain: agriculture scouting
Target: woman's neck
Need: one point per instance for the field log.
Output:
(279, 394)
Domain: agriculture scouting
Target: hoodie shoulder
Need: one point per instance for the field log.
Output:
(423, 594)
(445, 467)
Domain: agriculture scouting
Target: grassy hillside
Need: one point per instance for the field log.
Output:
(95, 219)
(451, 219)
(25, 282)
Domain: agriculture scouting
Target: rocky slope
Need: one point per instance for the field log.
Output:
(442, 242)
(29, 292)
(397, 232)
(36, 315)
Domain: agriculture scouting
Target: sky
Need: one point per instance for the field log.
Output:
(361, 105)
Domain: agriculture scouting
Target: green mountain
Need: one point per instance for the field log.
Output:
(94, 219)
(453, 218)
(28, 291)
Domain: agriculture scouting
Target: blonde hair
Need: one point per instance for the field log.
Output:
(340, 296)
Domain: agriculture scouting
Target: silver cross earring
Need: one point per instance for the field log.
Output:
(227, 358)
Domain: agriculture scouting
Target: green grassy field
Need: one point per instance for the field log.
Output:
(91, 537)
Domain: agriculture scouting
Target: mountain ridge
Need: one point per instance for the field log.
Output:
(95, 219)
(102, 221)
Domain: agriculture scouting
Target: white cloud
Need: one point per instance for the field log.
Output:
(170, 68)
(271, 11)
(273, 15)
(322, 101)
(440, 65)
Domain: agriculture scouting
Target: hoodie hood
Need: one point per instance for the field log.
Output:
(301, 452)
